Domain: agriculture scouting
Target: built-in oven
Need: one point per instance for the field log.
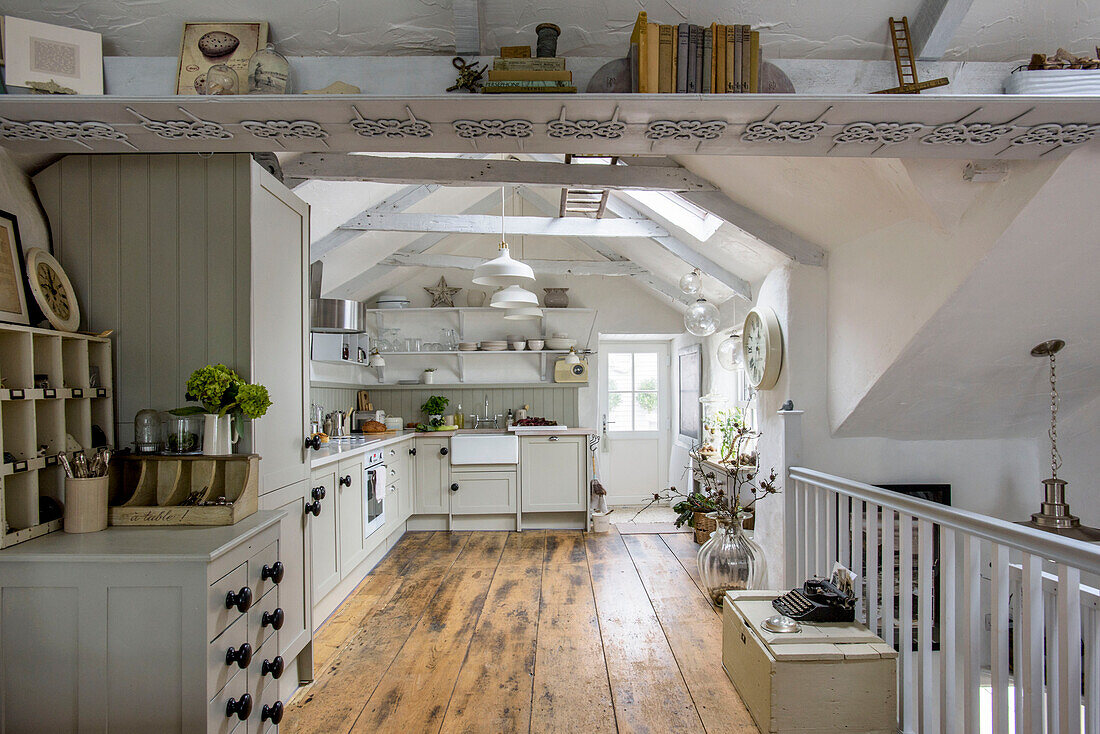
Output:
(374, 489)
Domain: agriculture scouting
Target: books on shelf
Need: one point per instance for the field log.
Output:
(694, 59)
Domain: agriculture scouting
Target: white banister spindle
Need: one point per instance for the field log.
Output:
(949, 719)
(1092, 674)
(824, 531)
(1051, 612)
(970, 617)
(1028, 635)
(809, 508)
(871, 572)
(906, 677)
(998, 661)
(889, 575)
(858, 547)
(927, 693)
(1069, 648)
(800, 531)
(844, 537)
(831, 537)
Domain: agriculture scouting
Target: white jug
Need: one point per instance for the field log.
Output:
(219, 434)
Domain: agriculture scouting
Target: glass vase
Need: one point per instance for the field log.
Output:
(730, 560)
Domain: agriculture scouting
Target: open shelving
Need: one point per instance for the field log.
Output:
(48, 393)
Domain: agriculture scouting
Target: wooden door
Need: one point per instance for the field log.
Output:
(433, 475)
(295, 553)
(349, 508)
(483, 493)
(324, 543)
(553, 474)
(280, 328)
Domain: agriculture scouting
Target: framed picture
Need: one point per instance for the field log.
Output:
(206, 44)
(41, 52)
(13, 298)
(691, 387)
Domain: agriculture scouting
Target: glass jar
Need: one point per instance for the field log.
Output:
(183, 434)
(268, 72)
(730, 560)
(146, 432)
(220, 79)
(711, 442)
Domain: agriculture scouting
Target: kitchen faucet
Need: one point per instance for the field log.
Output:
(488, 419)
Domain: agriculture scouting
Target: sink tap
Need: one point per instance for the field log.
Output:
(486, 418)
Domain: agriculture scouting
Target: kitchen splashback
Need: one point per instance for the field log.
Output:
(555, 403)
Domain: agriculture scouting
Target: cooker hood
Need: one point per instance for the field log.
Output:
(331, 315)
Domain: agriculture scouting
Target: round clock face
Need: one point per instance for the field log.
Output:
(756, 348)
(52, 290)
(762, 347)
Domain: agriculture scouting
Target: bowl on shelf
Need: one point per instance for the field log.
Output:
(518, 346)
(392, 300)
(559, 344)
(494, 346)
(536, 345)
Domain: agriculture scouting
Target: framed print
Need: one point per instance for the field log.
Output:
(41, 52)
(13, 299)
(206, 44)
(691, 387)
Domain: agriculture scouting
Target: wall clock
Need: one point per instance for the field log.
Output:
(762, 344)
(52, 290)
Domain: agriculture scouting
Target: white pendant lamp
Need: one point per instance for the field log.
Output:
(502, 270)
(514, 297)
(572, 358)
(523, 314)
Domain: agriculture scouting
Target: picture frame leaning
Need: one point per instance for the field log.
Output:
(204, 44)
(43, 53)
(13, 297)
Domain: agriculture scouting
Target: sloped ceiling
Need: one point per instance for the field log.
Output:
(993, 30)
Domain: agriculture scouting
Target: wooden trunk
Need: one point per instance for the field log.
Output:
(824, 678)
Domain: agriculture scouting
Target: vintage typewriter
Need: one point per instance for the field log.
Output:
(820, 600)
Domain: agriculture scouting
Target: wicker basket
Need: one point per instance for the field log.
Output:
(703, 525)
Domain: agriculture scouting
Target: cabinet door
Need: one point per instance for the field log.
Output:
(433, 475)
(553, 474)
(483, 493)
(280, 328)
(349, 507)
(407, 491)
(295, 554)
(324, 544)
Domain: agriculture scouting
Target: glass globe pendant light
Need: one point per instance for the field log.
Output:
(691, 283)
(729, 352)
(502, 270)
(701, 318)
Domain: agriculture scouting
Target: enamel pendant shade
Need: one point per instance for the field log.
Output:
(523, 314)
(503, 270)
(514, 297)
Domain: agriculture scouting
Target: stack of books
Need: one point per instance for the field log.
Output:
(720, 59)
(527, 76)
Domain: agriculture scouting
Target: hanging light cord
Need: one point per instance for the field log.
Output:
(1055, 457)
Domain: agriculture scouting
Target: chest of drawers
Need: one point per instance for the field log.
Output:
(144, 629)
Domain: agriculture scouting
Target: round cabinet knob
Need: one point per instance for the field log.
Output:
(412, 452)
(242, 599)
(272, 713)
(241, 707)
(273, 619)
(313, 508)
(454, 487)
(345, 481)
(444, 451)
(318, 493)
(242, 656)
(274, 667)
(275, 572)
(313, 442)
(393, 452)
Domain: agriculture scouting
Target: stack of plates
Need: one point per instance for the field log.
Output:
(494, 346)
(393, 300)
(467, 346)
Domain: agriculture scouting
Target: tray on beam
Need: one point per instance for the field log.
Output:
(150, 490)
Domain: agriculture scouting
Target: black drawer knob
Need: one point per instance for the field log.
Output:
(313, 442)
(242, 599)
(454, 487)
(241, 707)
(273, 619)
(274, 668)
(345, 481)
(412, 452)
(273, 572)
(242, 656)
(313, 508)
(273, 713)
(318, 493)
(444, 451)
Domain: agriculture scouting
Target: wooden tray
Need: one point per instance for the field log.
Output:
(149, 490)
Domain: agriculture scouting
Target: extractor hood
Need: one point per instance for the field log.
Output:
(331, 315)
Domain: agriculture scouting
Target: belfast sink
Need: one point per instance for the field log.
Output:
(473, 448)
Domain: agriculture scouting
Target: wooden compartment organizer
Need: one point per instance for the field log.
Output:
(150, 490)
(34, 419)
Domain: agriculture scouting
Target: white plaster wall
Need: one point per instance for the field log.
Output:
(17, 197)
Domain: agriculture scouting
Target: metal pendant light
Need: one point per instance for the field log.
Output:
(1054, 515)
(572, 358)
(524, 313)
(503, 270)
(514, 297)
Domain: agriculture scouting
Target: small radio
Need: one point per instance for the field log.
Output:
(565, 372)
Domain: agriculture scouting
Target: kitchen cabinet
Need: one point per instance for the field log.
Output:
(553, 473)
(433, 475)
(296, 586)
(324, 535)
(483, 492)
(349, 515)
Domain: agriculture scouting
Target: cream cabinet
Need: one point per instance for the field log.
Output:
(146, 629)
(433, 475)
(324, 528)
(295, 591)
(352, 542)
(553, 473)
(483, 492)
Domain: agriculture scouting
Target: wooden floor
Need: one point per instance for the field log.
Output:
(541, 631)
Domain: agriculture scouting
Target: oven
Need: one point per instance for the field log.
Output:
(374, 490)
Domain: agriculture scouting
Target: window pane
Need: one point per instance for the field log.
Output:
(619, 412)
(646, 371)
(645, 411)
(619, 371)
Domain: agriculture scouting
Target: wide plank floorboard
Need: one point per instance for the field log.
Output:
(539, 632)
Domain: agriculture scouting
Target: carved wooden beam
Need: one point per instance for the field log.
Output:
(488, 224)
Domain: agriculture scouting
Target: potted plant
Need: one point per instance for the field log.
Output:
(433, 407)
(692, 510)
(222, 395)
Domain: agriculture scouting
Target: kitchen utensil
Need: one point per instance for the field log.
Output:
(394, 423)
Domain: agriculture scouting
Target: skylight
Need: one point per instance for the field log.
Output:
(678, 211)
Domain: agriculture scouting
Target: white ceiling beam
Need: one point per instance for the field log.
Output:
(489, 224)
(934, 26)
(541, 267)
(774, 235)
(467, 26)
(686, 253)
(466, 172)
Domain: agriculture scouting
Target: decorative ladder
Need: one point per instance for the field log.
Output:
(903, 60)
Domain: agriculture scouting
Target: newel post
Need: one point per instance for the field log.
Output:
(792, 456)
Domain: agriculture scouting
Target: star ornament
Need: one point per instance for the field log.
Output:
(443, 294)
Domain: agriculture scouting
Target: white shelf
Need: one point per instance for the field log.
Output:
(467, 309)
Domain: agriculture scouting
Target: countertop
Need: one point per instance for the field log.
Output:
(335, 450)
